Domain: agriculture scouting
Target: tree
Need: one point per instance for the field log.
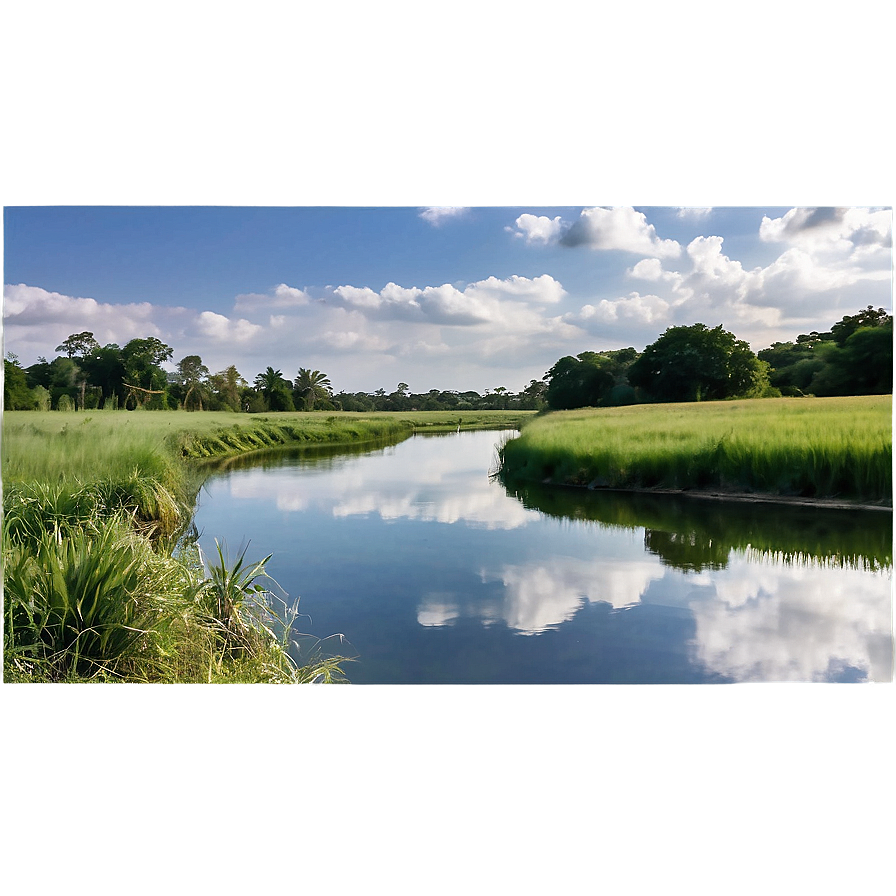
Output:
(143, 374)
(533, 396)
(190, 373)
(697, 362)
(227, 385)
(312, 386)
(78, 345)
(16, 394)
(855, 358)
(843, 329)
(577, 382)
(104, 367)
(868, 355)
(275, 390)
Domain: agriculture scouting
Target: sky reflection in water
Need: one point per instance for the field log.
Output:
(435, 573)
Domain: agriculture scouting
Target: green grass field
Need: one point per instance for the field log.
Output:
(88, 446)
(810, 447)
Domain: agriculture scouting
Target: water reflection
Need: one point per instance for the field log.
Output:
(693, 534)
(446, 486)
(437, 573)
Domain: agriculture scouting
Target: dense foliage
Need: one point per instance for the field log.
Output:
(87, 376)
(699, 363)
(854, 358)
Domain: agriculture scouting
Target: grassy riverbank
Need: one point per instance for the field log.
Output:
(812, 448)
(95, 587)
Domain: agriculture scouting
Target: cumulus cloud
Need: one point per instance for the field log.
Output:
(281, 296)
(837, 260)
(541, 290)
(36, 320)
(479, 302)
(25, 305)
(649, 309)
(220, 328)
(438, 214)
(831, 230)
(694, 213)
(538, 228)
(620, 228)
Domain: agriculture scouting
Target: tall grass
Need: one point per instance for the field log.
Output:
(814, 448)
(96, 601)
(51, 446)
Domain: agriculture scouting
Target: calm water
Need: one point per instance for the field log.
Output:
(436, 573)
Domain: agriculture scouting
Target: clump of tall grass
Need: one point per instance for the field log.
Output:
(97, 602)
(81, 601)
(248, 634)
(31, 508)
(815, 448)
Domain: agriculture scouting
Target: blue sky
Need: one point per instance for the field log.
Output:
(463, 298)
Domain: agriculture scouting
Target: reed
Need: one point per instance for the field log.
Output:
(811, 448)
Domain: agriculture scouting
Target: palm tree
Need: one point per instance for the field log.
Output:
(268, 381)
(312, 385)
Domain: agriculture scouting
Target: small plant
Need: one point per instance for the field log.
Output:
(238, 605)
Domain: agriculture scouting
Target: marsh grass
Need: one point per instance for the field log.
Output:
(812, 448)
(54, 446)
(98, 602)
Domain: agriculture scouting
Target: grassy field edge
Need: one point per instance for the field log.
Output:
(831, 450)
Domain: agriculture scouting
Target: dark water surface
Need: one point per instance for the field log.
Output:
(436, 573)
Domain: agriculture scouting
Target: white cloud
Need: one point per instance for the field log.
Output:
(349, 341)
(649, 309)
(620, 228)
(220, 328)
(816, 276)
(478, 303)
(438, 214)
(421, 347)
(538, 228)
(36, 320)
(832, 230)
(359, 297)
(694, 213)
(541, 290)
(282, 296)
(25, 305)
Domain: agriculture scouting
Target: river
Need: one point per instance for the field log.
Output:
(436, 572)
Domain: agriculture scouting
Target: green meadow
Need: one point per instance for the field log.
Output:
(815, 448)
(86, 446)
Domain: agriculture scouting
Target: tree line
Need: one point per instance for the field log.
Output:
(694, 363)
(86, 375)
(686, 363)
